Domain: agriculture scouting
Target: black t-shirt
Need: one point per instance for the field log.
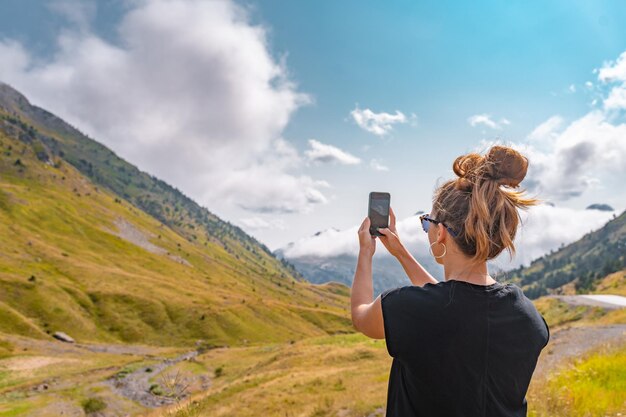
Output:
(461, 349)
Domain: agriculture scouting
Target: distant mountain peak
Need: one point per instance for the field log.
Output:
(601, 207)
(10, 98)
(334, 229)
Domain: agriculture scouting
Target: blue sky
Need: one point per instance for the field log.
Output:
(438, 63)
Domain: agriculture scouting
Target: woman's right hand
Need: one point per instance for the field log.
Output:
(390, 237)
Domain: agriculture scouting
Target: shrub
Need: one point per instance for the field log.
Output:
(155, 389)
(93, 405)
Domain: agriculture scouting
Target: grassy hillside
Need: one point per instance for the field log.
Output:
(52, 138)
(78, 256)
(614, 283)
(581, 264)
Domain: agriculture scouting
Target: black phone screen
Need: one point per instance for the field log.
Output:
(378, 212)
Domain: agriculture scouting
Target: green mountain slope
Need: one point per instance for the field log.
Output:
(581, 264)
(92, 246)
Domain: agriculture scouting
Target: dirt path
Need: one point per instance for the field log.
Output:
(136, 385)
(54, 347)
(574, 341)
(129, 390)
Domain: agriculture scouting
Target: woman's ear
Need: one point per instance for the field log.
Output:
(441, 233)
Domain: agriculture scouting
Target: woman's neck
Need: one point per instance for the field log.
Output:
(475, 275)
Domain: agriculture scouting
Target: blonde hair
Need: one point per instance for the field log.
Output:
(481, 204)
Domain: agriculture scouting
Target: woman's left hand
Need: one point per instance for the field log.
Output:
(367, 242)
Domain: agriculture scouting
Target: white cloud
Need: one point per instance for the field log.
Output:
(321, 152)
(543, 228)
(377, 166)
(613, 70)
(379, 124)
(568, 163)
(256, 223)
(547, 130)
(616, 98)
(589, 148)
(191, 94)
(265, 186)
(333, 242)
(330, 242)
(572, 88)
(486, 120)
(77, 12)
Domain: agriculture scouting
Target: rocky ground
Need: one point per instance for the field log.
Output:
(136, 385)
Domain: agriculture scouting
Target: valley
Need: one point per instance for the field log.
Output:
(175, 312)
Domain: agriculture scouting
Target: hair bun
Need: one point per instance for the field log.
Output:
(502, 164)
(467, 167)
(505, 165)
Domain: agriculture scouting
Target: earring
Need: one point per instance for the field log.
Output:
(431, 250)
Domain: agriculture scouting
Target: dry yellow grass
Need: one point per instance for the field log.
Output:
(593, 385)
(343, 375)
(614, 283)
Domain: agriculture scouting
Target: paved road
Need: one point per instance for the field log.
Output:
(596, 300)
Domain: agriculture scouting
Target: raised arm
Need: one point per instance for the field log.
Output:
(367, 315)
(416, 272)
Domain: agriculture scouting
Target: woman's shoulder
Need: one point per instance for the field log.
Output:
(444, 290)
(414, 291)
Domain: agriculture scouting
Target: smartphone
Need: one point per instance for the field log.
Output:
(378, 212)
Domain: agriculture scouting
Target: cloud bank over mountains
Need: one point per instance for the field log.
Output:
(543, 228)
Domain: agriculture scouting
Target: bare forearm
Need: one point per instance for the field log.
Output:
(416, 273)
(362, 285)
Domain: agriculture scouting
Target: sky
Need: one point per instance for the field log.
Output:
(281, 117)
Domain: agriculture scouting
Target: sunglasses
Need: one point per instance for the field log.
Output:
(425, 219)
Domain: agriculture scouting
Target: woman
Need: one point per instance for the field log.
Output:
(466, 346)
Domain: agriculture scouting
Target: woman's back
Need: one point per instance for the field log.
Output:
(461, 349)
